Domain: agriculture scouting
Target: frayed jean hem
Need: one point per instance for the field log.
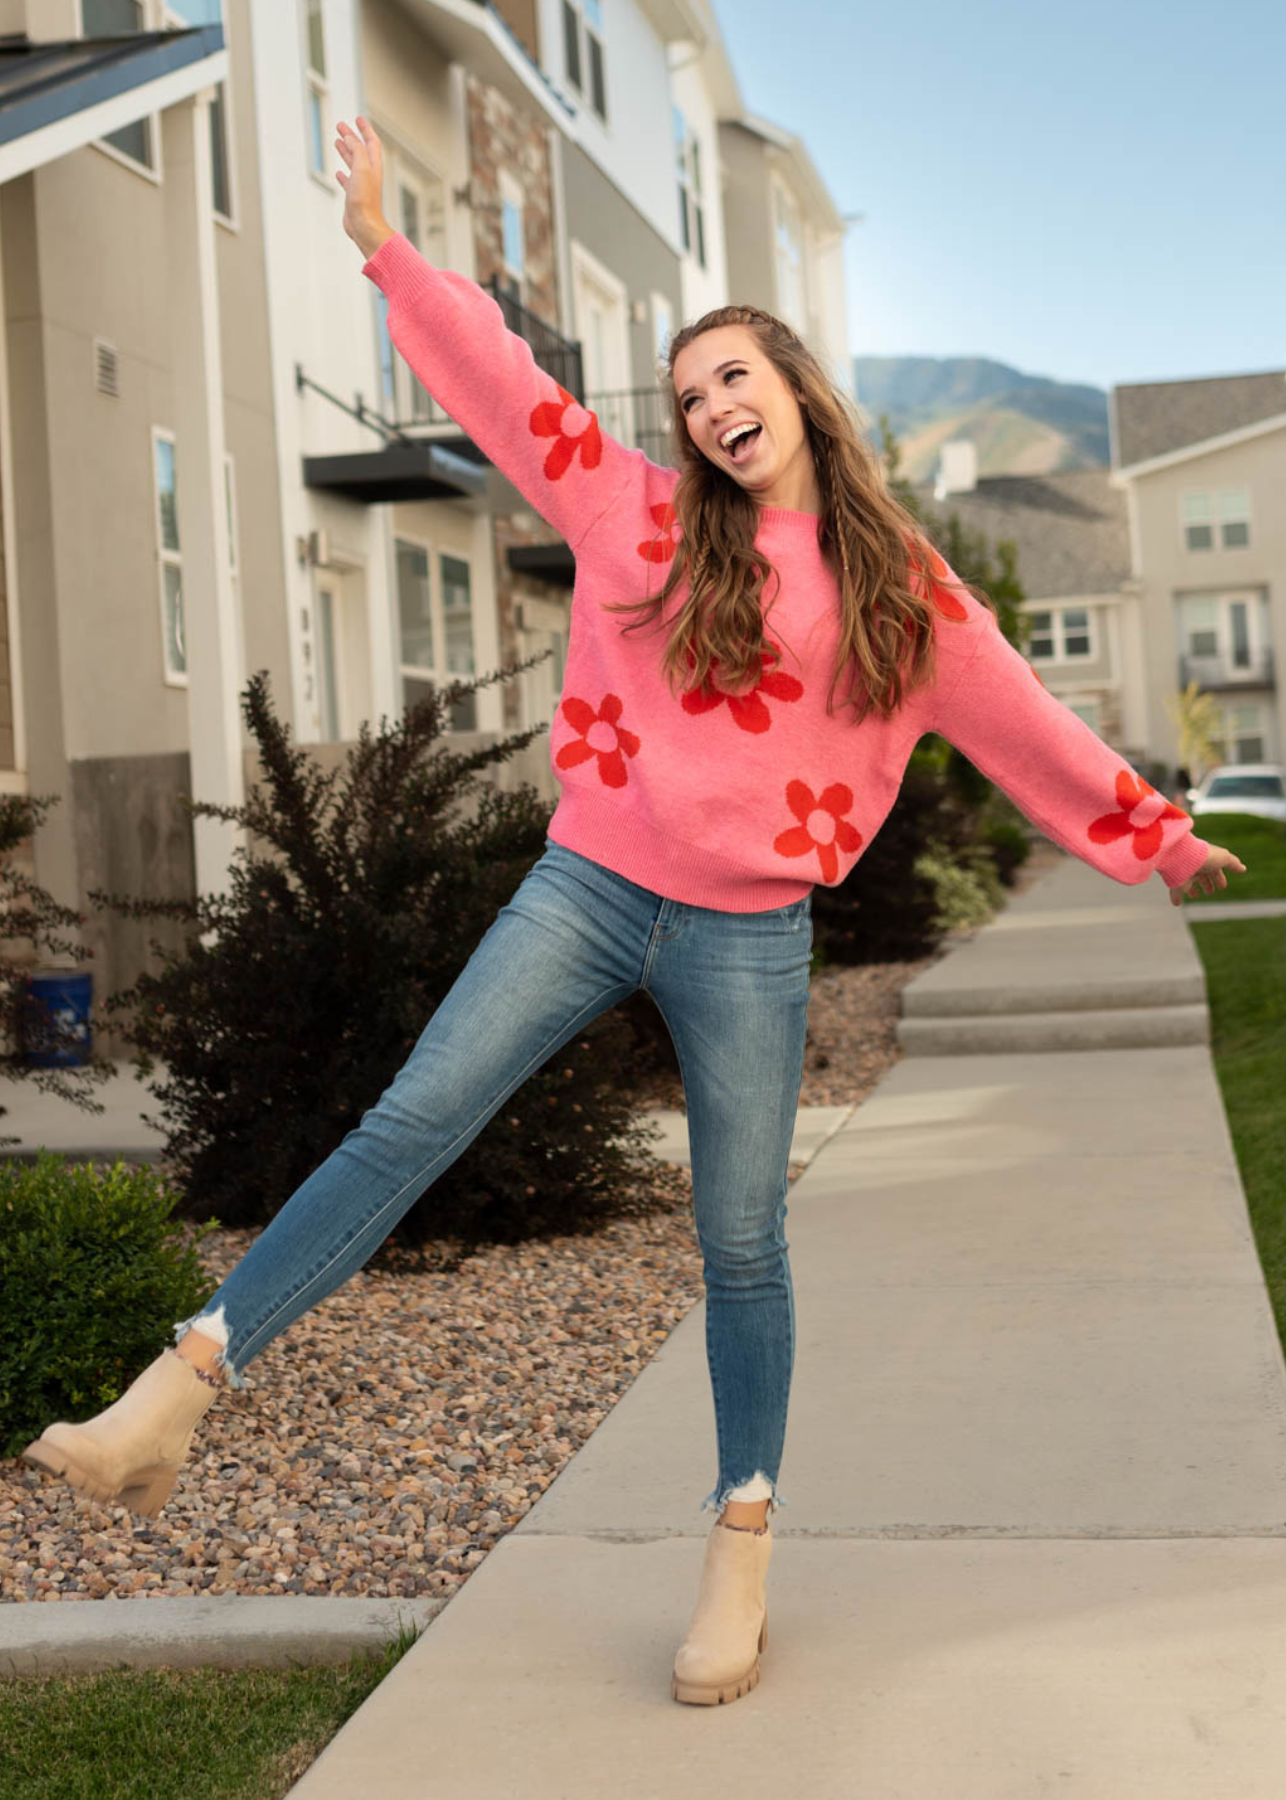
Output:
(212, 1325)
(763, 1488)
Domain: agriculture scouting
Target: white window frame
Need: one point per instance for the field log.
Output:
(411, 402)
(173, 21)
(1263, 729)
(574, 12)
(662, 328)
(1215, 509)
(316, 86)
(434, 551)
(692, 229)
(1223, 601)
(512, 195)
(167, 558)
(1059, 632)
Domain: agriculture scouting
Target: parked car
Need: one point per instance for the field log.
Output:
(1258, 788)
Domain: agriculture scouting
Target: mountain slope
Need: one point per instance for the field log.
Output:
(1021, 424)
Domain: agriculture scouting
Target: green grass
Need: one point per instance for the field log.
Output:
(1245, 964)
(1261, 845)
(149, 1734)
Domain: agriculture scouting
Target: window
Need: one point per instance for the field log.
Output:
(419, 214)
(1229, 509)
(1060, 635)
(513, 239)
(583, 50)
(687, 157)
(1224, 637)
(317, 90)
(662, 327)
(169, 557)
(788, 238)
(117, 18)
(220, 172)
(1234, 518)
(1244, 733)
(457, 612)
(328, 694)
(421, 636)
(1086, 710)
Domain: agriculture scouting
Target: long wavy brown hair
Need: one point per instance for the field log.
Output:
(872, 543)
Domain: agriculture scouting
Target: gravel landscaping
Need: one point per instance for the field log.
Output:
(396, 1432)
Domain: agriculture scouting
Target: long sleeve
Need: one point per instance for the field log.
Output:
(454, 337)
(1059, 772)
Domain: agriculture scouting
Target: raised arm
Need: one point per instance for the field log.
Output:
(994, 707)
(454, 337)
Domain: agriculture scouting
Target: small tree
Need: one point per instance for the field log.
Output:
(303, 989)
(33, 923)
(1200, 725)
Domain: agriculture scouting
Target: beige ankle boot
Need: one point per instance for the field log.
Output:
(718, 1661)
(131, 1454)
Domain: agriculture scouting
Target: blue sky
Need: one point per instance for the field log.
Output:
(1092, 192)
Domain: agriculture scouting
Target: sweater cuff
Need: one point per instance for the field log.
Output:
(1182, 861)
(396, 267)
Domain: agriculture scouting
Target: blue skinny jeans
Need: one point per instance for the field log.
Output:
(574, 940)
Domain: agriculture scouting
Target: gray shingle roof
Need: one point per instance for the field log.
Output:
(1070, 527)
(1150, 417)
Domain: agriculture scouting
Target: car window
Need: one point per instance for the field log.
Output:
(1264, 787)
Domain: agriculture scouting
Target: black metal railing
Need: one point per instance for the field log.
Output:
(1222, 672)
(639, 418)
(556, 355)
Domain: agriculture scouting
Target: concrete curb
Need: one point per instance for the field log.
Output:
(221, 1631)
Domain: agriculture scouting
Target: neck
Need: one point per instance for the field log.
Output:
(796, 489)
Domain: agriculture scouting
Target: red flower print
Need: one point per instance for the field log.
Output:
(943, 599)
(1141, 812)
(661, 548)
(600, 736)
(821, 827)
(748, 710)
(573, 429)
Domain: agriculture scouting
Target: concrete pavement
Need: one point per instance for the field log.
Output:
(1035, 1539)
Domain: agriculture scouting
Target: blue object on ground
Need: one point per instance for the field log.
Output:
(66, 996)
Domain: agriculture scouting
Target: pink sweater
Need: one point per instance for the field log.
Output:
(743, 804)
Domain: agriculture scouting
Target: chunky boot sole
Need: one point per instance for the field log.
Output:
(697, 1694)
(131, 1454)
(147, 1493)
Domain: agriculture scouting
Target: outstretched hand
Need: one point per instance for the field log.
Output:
(363, 185)
(1209, 876)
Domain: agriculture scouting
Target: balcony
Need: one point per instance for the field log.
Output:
(1216, 672)
(639, 418)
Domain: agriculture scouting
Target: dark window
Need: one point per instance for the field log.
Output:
(571, 43)
(597, 91)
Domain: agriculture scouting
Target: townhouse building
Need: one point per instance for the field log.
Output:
(226, 465)
(1165, 569)
(1085, 620)
(1202, 468)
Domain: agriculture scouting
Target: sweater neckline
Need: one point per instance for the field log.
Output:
(784, 515)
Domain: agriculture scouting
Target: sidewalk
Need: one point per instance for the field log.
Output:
(1036, 1473)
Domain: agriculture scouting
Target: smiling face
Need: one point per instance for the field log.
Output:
(723, 380)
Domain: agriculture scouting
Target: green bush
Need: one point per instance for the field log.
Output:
(1009, 846)
(95, 1274)
(304, 988)
(967, 887)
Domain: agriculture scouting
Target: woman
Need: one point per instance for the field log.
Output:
(707, 785)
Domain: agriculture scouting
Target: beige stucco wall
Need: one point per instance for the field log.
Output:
(1168, 570)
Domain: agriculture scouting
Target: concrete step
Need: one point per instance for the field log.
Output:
(1073, 1028)
(1117, 993)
